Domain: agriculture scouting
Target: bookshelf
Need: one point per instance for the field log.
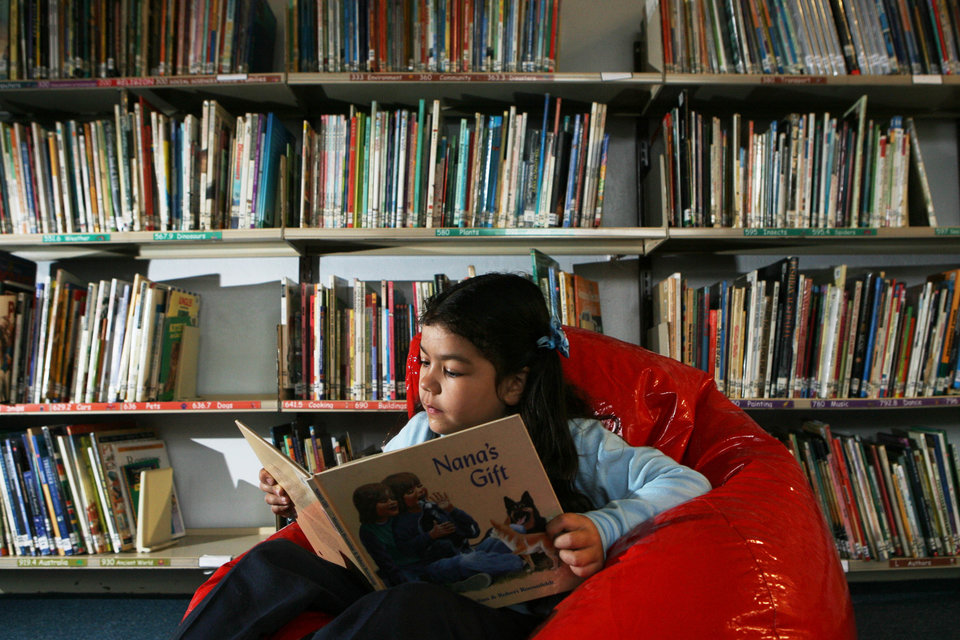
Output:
(596, 63)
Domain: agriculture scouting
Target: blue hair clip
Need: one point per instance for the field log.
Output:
(556, 339)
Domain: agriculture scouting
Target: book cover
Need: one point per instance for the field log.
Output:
(587, 303)
(487, 479)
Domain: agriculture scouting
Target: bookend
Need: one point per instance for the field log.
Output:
(154, 510)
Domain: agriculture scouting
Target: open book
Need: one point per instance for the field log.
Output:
(471, 515)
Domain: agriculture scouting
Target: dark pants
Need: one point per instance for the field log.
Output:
(276, 580)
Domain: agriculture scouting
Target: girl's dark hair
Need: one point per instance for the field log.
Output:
(366, 497)
(504, 315)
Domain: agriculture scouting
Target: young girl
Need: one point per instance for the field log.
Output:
(488, 349)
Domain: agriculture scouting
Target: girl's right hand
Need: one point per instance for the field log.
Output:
(275, 496)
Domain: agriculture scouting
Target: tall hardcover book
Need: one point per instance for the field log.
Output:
(481, 471)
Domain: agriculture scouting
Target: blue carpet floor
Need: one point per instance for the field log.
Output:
(95, 617)
(927, 609)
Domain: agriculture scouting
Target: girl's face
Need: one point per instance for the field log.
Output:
(386, 508)
(413, 496)
(458, 385)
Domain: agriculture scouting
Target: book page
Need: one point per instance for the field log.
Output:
(317, 527)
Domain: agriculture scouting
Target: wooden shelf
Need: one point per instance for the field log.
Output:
(852, 404)
(199, 549)
(811, 241)
(468, 92)
(901, 569)
(889, 94)
(220, 404)
(447, 241)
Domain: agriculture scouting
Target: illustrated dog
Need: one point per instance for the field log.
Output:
(524, 544)
(524, 512)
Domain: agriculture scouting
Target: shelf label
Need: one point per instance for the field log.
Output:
(946, 231)
(50, 563)
(166, 236)
(849, 403)
(920, 563)
(772, 232)
(169, 405)
(474, 232)
(344, 405)
(57, 238)
(793, 80)
(134, 563)
(764, 404)
(450, 77)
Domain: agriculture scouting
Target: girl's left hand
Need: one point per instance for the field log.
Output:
(578, 541)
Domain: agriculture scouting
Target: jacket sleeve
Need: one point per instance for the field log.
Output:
(628, 485)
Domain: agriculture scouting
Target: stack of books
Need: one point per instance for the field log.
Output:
(103, 341)
(778, 333)
(74, 489)
(129, 38)
(145, 171)
(810, 37)
(405, 168)
(460, 36)
(348, 340)
(891, 496)
(806, 171)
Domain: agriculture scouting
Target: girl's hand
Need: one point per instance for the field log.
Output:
(577, 540)
(442, 501)
(442, 530)
(275, 496)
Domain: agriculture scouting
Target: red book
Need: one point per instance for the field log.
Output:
(143, 130)
(382, 61)
(554, 29)
(352, 170)
(888, 507)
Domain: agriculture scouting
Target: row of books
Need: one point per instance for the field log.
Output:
(129, 38)
(143, 170)
(424, 35)
(572, 299)
(804, 171)
(776, 332)
(103, 341)
(312, 447)
(892, 495)
(75, 489)
(810, 36)
(348, 340)
(405, 168)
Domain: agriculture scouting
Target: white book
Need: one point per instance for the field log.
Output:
(109, 384)
(101, 293)
(236, 170)
(830, 338)
(40, 171)
(432, 166)
(83, 347)
(130, 368)
(507, 167)
(920, 334)
(152, 308)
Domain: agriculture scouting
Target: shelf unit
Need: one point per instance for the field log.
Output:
(631, 95)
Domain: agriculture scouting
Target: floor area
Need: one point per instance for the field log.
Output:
(927, 609)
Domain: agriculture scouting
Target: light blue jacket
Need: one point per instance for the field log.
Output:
(632, 483)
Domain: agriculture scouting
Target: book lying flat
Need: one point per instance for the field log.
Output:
(482, 492)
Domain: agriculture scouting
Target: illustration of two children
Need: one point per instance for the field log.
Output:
(414, 538)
